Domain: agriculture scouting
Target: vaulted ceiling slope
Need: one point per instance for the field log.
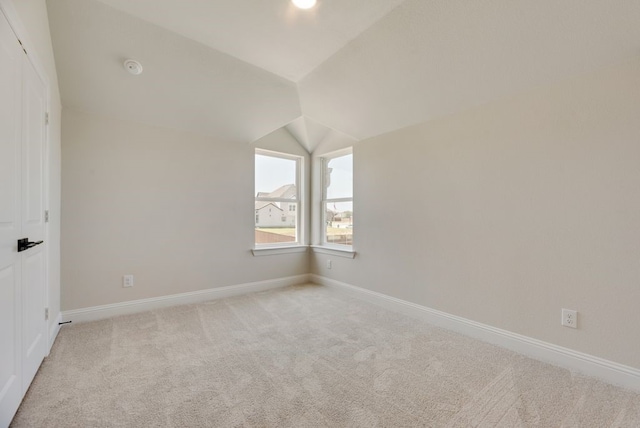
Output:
(184, 85)
(428, 59)
(271, 34)
(239, 69)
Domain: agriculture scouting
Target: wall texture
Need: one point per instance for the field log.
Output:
(509, 212)
(33, 16)
(171, 208)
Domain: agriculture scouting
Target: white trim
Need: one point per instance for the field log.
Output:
(340, 252)
(300, 199)
(609, 371)
(338, 153)
(270, 251)
(54, 329)
(276, 200)
(133, 306)
(276, 154)
(338, 200)
(324, 201)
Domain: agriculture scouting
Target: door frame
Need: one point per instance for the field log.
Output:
(8, 9)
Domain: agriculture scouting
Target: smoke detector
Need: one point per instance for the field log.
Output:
(133, 67)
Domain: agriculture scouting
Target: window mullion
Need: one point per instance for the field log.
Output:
(338, 200)
(276, 200)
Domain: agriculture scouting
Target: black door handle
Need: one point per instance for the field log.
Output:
(24, 244)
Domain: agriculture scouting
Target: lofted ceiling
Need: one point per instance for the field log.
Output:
(271, 34)
(240, 69)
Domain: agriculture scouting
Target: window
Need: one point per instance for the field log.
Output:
(337, 199)
(277, 190)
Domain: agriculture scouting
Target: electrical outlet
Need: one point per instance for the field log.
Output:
(328, 264)
(569, 318)
(127, 281)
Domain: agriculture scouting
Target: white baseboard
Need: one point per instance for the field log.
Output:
(54, 329)
(609, 371)
(133, 306)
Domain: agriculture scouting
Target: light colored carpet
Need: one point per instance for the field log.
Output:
(302, 356)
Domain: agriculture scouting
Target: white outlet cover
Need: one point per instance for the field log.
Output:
(569, 318)
(127, 281)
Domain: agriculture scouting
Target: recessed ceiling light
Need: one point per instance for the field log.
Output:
(304, 4)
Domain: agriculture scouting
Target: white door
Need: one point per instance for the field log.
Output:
(23, 331)
(10, 223)
(34, 324)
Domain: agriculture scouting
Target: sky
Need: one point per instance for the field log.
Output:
(273, 172)
(341, 185)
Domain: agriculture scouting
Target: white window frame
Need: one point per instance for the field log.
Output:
(299, 239)
(324, 161)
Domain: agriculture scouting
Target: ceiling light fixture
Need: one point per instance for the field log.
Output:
(304, 4)
(133, 67)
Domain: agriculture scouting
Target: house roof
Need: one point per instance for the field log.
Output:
(262, 204)
(288, 191)
(238, 70)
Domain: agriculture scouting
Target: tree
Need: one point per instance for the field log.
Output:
(330, 216)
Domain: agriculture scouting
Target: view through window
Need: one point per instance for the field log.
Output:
(277, 201)
(338, 200)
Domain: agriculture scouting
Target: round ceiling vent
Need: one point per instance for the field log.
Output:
(133, 67)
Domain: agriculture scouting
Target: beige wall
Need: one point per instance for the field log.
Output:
(173, 209)
(34, 21)
(502, 214)
(507, 213)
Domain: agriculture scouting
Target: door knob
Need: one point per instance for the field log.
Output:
(24, 244)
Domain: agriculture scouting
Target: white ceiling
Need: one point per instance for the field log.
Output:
(272, 34)
(239, 69)
(428, 59)
(184, 85)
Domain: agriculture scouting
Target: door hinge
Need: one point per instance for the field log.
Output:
(46, 118)
(46, 314)
(46, 216)
(22, 46)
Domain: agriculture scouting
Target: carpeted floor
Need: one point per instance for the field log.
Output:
(302, 356)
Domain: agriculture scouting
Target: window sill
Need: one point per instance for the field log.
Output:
(270, 251)
(334, 251)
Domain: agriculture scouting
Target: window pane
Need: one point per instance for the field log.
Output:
(274, 176)
(339, 177)
(339, 223)
(276, 222)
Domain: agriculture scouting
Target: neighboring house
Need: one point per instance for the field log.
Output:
(269, 214)
(343, 215)
(276, 214)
